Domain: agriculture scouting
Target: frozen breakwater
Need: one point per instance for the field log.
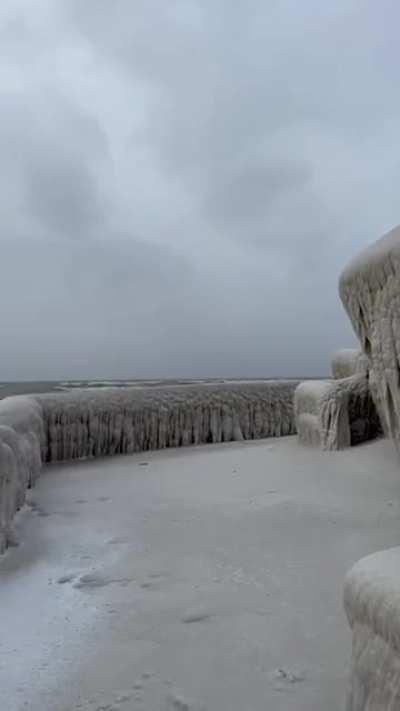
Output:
(87, 423)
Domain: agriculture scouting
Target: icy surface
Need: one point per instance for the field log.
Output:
(211, 578)
(370, 292)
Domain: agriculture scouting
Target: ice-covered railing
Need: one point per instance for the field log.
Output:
(87, 423)
(84, 424)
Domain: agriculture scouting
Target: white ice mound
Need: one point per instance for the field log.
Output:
(335, 414)
(21, 442)
(347, 414)
(372, 603)
(348, 362)
(307, 405)
(370, 291)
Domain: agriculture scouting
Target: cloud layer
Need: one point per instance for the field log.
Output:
(182, 182)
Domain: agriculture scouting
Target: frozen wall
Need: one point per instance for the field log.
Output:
(21, 442)
(84, 424)
(87, 423)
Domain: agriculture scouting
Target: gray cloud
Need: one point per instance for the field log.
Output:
(182, 182)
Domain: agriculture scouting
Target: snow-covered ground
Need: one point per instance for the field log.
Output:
(203, 578)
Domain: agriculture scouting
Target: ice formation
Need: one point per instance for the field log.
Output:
(91, 423)
(348, 362)
(335, 414)
(21, 443)
(307, 405)
(370, 291)
(85, 423)
(372, 603)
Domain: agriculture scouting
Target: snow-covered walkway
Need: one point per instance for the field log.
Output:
(204, 578)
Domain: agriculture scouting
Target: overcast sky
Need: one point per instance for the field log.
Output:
(181, 181)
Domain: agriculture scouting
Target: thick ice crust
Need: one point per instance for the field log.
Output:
(370, 291)
(308, 396)
(308, 430)
(348, 362)
(307, 404)
(372, 604)
(120, 421)
(347, 414)
(21, 441)
(335, 414)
